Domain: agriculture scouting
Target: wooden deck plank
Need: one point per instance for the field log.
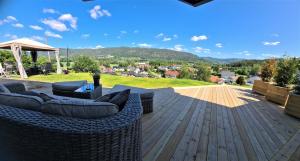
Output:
(163, 140)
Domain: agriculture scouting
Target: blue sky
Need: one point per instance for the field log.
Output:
(223, 28)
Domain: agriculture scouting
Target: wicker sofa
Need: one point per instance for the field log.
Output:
(34, 136)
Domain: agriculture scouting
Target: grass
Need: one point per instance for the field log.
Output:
(111, 80)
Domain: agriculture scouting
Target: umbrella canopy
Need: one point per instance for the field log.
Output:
(27, 44)
(196, 3)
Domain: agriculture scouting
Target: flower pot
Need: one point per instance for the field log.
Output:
(293, 105)
(260, 87)
(277, 94)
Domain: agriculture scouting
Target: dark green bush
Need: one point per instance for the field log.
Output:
(241, 80)
(286, 72)
(297, 87)
(85, 64)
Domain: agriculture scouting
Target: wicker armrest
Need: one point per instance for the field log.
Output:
(15, 87)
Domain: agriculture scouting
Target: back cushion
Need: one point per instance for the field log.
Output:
(21, 101)
(3, 89)
(85, 109)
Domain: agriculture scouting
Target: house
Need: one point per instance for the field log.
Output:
(172, 74)
(228, 76)
(214, 79)
(162, 68)
(252, 79)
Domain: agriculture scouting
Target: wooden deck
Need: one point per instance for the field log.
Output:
(214, 123)
(218, 123)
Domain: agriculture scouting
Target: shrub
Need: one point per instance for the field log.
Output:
(286, 72)
(268, 70)
(241, 80)
(297, 87)
(85, 64)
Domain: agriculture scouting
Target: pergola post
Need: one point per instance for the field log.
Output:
(58, 70)
(17, 51)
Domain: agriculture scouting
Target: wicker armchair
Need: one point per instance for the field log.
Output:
(34, 136)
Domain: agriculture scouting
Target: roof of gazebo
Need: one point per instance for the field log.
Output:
(27, 44)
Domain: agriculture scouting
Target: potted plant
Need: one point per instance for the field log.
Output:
(285, 76)
(267, 72)
(293, 104)
(96, 78)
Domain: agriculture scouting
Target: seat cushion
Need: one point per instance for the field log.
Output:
(120, 99)
(68, 86)
(3, 89)
(45, 97)
(77, 108)
(15, 87)
(21, 101)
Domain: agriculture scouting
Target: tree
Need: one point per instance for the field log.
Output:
(85, 64)
(255, 70)
(241, 80)
(203, 72)
(186, 73)
(268, 70)
(286, 71)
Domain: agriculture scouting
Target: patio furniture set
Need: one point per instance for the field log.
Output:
(71, 124)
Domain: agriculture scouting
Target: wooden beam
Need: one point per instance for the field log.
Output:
(17, 51)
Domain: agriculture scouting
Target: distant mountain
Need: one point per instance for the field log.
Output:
(144, 53)
(221, 61)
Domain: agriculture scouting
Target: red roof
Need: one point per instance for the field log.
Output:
(173, 73)
(214, 79)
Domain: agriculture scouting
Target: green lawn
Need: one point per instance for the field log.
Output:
(111, 80)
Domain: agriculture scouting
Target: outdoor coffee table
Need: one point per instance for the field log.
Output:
(88, 91)
(145, 94)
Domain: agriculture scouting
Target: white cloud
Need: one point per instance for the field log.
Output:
(245, 53)
(160, 35)
(97, 12)
(49, 10)
(136, 31)
(105, 34)
(10, 36)
(270, 55)
(167, 39)
(178, 47)
(145, 45)
(201, 50)
(175, 36)
(37, 38)
(85, 36)
(55, 25)
(36, 27)
(51, 34)
(274, 43)
(123, 32)
(199, 38)
(11, 18)
(18, 25)
(8, 19)
(275, 35)
(69, 18)
(219, 45)
(99, 47)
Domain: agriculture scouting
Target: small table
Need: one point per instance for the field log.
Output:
(145, 94)
(88, 91)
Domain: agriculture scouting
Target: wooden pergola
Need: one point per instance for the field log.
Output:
(24, 44)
